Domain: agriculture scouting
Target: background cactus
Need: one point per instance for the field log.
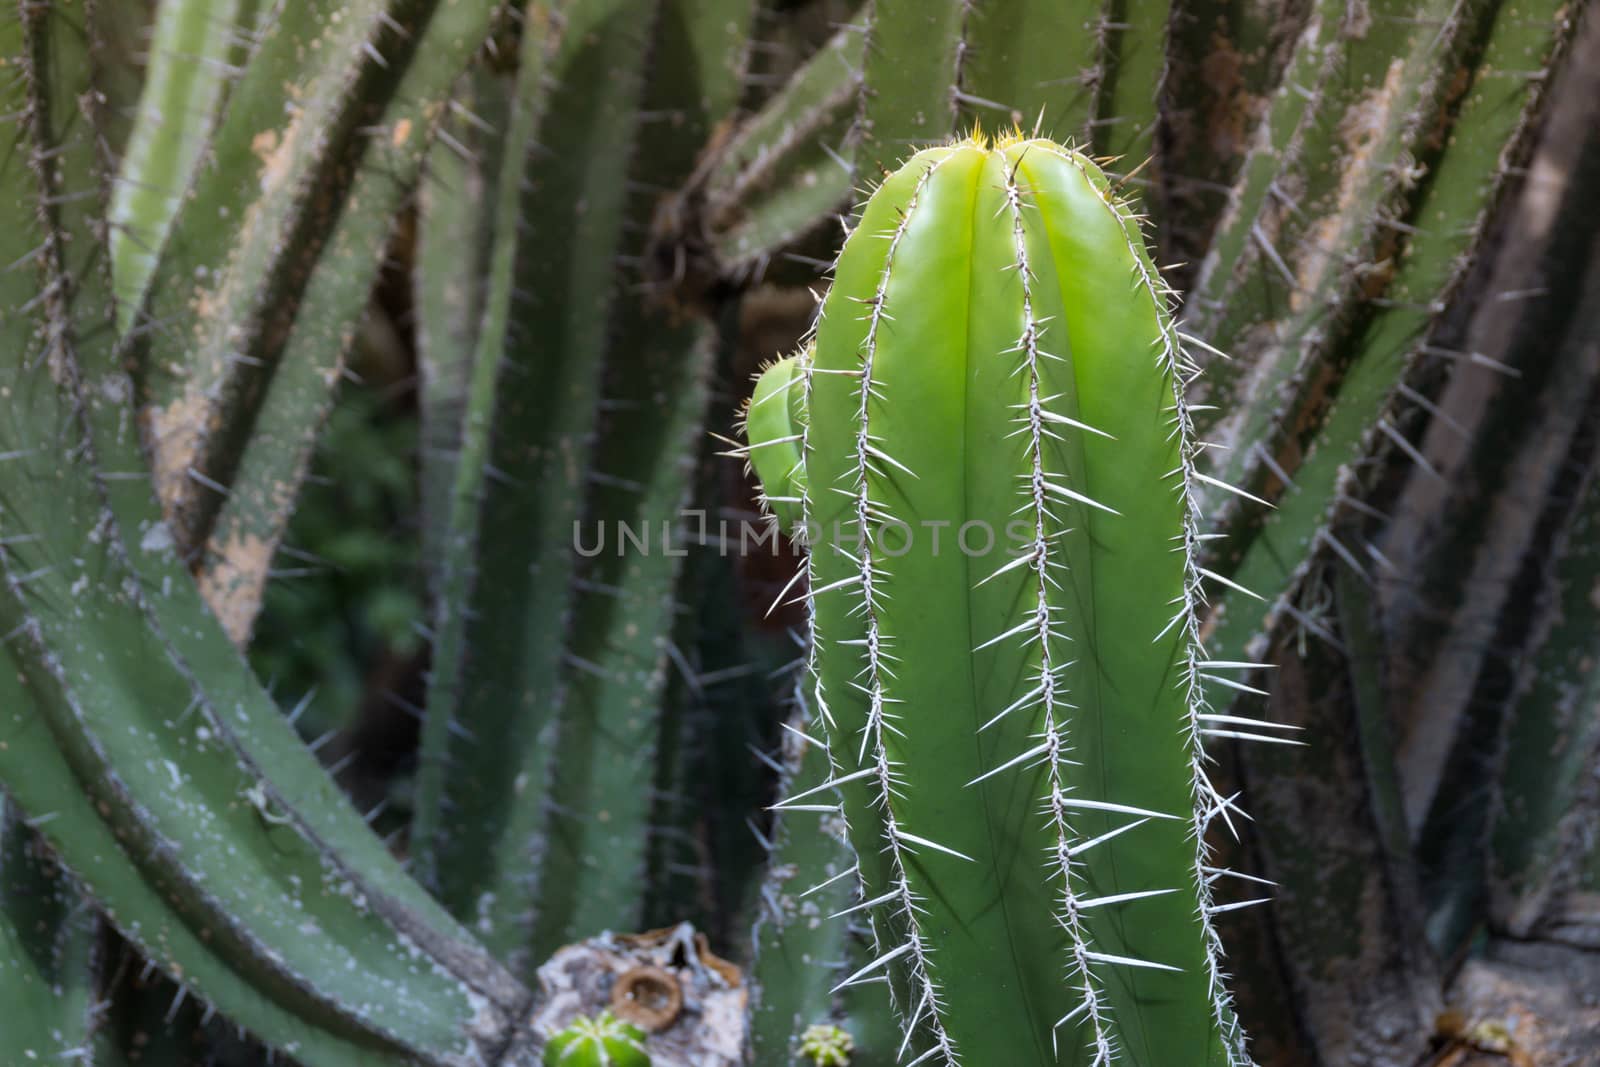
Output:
(254, 251)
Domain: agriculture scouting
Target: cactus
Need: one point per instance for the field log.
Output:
(267, 469)
(1539, 827)
(192, 49)
(786, 168)
(47, 950)
(1532, 445)
(210, 836)
(991, 449)
(1130, 81)
(774, 424)
(1017, 61)
(996, 344)
(219, 302)
(454, 212)
(1034, 65)
(1270, 553)
(593, 647)
(657, 394)
(602, 1041)
(802, 936)
(458, 877)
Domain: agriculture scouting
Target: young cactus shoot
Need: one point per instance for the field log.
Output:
(600, 1041)
(998, 494)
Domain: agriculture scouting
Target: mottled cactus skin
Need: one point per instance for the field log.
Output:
(1015, 730)
(601, 1041)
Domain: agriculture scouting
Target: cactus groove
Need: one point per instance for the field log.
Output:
(998, 490)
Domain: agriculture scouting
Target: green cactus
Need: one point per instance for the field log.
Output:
(47, 950)
(616, 648)
(187, 74)
(996, 354)
(601, 1041)
(987, 449)
(802, 934)
(1552, 737)
(294, 405)
(1270, 554)
(787, 167)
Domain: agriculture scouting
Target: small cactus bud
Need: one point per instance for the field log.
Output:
(827, 1045)
(600, 1041)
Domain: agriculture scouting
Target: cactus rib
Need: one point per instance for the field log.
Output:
(186, 78)
(454, 212)
(896, 840)
(1080, 969)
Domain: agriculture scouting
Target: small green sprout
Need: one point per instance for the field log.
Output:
(827, 1045)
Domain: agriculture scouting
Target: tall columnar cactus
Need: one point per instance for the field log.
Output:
(997, 489)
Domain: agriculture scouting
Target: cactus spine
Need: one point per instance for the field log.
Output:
(1014, 711)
